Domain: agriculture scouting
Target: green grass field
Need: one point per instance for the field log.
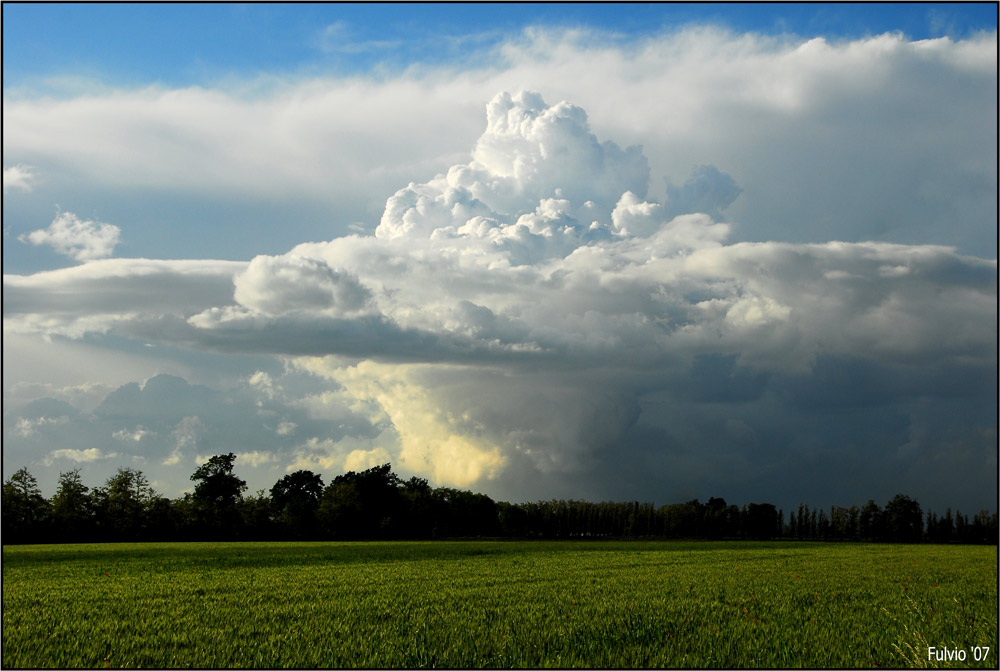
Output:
(498, 604)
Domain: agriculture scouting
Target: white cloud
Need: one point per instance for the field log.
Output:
(320, 141)
(350, 453)
(82, 240)
(20, 177)
(263, 383)
(136, 435)
(286, 428)
(634, 217)
(186, 435)
(255, 459)
(320, 455)
(339, 38)
(79, 456)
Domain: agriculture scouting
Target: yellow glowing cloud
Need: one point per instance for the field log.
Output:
(447, 449)
(360, 460)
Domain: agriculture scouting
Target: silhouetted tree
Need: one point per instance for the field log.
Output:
(72, 508)
(417, 508)
(931, 526)
(946, 528)
(839, 522)
(686, 519)
(216, 495)
(802, 522)
(25, 510)
(361, 505)
(870, 525)
(961, 527)
(904, 520)
(120, 506)
(164, 520)
(823, 525)
(257, 519)
(295, 500)
(715, 518)
(760, 521)
(464, 513)
(984, 527)
(513, 520)
(853, 515)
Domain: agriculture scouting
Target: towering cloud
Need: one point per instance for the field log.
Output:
(539, 185)
(552, 297)
(532, 315)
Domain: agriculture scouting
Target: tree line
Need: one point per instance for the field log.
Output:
(377, 504)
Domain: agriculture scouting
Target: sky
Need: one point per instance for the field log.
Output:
(602, 252)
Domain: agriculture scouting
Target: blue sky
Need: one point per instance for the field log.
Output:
(582, 251)
(180, 45)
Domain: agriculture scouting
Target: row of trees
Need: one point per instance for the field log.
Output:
(901, 520)
(376, 503)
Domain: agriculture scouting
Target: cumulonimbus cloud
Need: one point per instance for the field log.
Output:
(540, 269)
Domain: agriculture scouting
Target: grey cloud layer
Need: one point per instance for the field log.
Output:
(94, 296)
